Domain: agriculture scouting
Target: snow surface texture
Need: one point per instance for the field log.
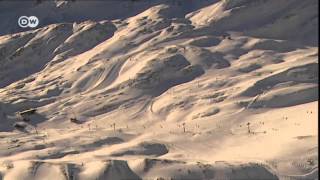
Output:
(159, 89)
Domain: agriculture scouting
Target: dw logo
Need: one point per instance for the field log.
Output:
(25, 21)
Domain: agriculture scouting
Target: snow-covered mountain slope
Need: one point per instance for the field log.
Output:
(166, 89)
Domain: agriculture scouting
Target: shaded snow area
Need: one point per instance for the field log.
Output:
(159, 89)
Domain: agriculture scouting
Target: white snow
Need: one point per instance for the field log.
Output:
(217, 89)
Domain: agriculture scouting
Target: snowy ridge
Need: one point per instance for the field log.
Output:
(206, 90)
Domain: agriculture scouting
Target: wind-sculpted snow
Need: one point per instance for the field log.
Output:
(197, 89)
